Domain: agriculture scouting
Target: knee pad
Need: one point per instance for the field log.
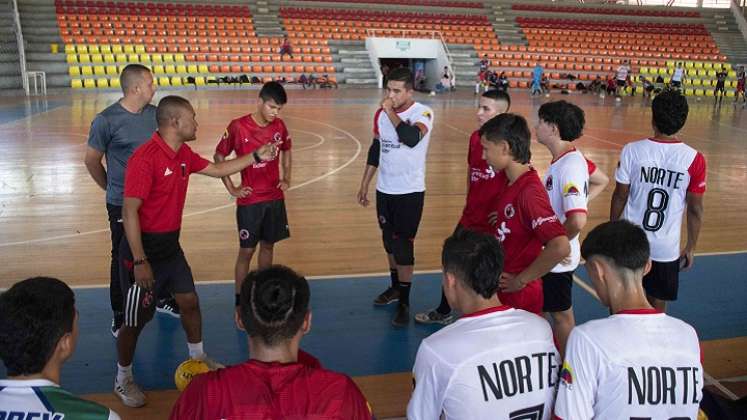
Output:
(140, 306)
(403, 250)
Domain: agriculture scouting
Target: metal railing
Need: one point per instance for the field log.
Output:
(416, 33)
(21, 48)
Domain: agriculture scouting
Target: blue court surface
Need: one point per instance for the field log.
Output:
(350, 335)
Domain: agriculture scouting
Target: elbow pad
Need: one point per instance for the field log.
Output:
(408, 134)
(374, 153)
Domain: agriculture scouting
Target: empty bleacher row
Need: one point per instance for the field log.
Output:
(421, 3)
(604, 10)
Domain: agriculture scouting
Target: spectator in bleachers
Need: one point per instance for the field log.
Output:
(503, 82)
(740, 86)
(447, 79)
(38, 334)
(659, 85)
(326, 82)
(648, 87)
(303, 80)
(678, 76)
(596, 85)
(493, 82)
(384, 73)
(545, 84)
(278, 380)
(484, 63)
(286, 48)
(622, 78)
(537, 74)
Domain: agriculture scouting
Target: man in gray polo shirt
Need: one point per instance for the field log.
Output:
(115, 133)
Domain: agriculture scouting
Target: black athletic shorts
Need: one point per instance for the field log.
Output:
(266, 221)
(399, 215)
(662, 282)
(556, 289)
(721, 86)
(621, 83)
(171, 274)
(676, 83)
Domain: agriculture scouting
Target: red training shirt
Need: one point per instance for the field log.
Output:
(159, 177)
(525, 223)
(269, 391)
(483, 189)
(243, 136)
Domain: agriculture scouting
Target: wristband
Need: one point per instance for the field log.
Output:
(140, 261)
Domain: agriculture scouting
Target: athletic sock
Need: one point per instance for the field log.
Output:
(404, 293)
(124, 372)
(443, 307)
(394, 276)
(196, 350)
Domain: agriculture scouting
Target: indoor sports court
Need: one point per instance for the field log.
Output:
(53, 219)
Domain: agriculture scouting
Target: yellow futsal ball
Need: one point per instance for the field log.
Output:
(188, 370)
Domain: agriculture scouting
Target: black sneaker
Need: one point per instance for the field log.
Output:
(168, 306)
(117, 321)
(402, 317)
(390, 295)
(435, 317)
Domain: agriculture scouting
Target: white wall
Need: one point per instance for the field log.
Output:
(429, 49)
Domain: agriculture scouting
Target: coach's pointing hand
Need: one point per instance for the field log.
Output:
(266, 152)
(144, 275)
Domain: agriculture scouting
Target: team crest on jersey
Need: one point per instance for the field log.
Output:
(548, 183)
(243, 234)
(428, 115)
(509, 211)
(566, 375)
(276, 137)
(147, 299)
(570, 189)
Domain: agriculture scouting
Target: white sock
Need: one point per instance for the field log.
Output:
(123, 372)
(196, 351)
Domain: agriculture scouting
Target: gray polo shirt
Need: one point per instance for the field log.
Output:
(117, 132)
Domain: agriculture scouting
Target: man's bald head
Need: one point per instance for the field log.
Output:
(131, 76)
(169, 108)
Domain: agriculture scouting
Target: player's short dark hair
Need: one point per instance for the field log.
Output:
(513, 129)
(131, 74)
(34, 315)
(169, 107)
(401, 74)
(669, 112)
(568, 117)
(621, 241)
(498, 95)
(476, 259)
(274, 91)
(274, 303)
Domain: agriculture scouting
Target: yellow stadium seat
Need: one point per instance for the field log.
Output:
(73, 71)
(121, 58)
(696, 82)
(89, 83)
(114, 82)
(111, 70)
(133, 58)
(730, 94)
(84, 58)
(689, 65)
(731, 84)
(203, 68)
(192, 68)
(71, 58)
(109, 58)
(81, 49)
(69, 49)
(145, 58)
(179, 58)
(170, 69)
(708, 65)
(181, 69)
(709, 92)
(97, 58)
(200, 81)
(698, 65)
(698, 92)
(158, 70)
(140, 49)
(86, 71)
(707, 82)
(168, 58)
(99, 70)
(106, 49)
(102, 83)
(176, 81)
(94, 49)
(670, 63)
(689, 92)
(76, 83)
(163, 81)
(644, 70)
(156, 58)
(210, 79)
(129, 49)
(663, 70)
(117, 49)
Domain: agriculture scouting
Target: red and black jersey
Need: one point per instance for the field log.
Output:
(483, 189)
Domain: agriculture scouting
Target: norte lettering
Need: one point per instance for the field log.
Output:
(663, 177)
(655, 385)
(517, 376)
(23, 415)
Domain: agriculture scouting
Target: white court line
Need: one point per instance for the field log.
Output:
(321, 141)
(456, 128)
(358, 148)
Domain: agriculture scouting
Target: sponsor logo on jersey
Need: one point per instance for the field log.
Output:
(22, 415)
(167, 172)
(566, 375)
(571, 189)
(541, 220)
(428, 114)
(509, 211)
(502, 231)
(548, 183)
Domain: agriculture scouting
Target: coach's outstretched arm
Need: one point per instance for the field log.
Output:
(230, 167)
(131, 221)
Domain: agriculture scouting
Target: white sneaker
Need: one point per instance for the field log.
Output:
(129, 392)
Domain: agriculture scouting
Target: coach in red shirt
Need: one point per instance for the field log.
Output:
(533, 238)
(275, 383)
(152, 260)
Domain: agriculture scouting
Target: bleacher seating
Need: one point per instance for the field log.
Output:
(604, 11)
(421, 3)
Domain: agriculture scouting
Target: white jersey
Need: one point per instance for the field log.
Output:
(678, 74)
(567, 184)
(636, 364)
(660, 175)
(402, 168)
(44, 400)
(493, 364)
(622, 72)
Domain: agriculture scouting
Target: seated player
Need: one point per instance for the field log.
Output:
(496, 362)
(637, 363)
(38, 334)
(275, 382)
